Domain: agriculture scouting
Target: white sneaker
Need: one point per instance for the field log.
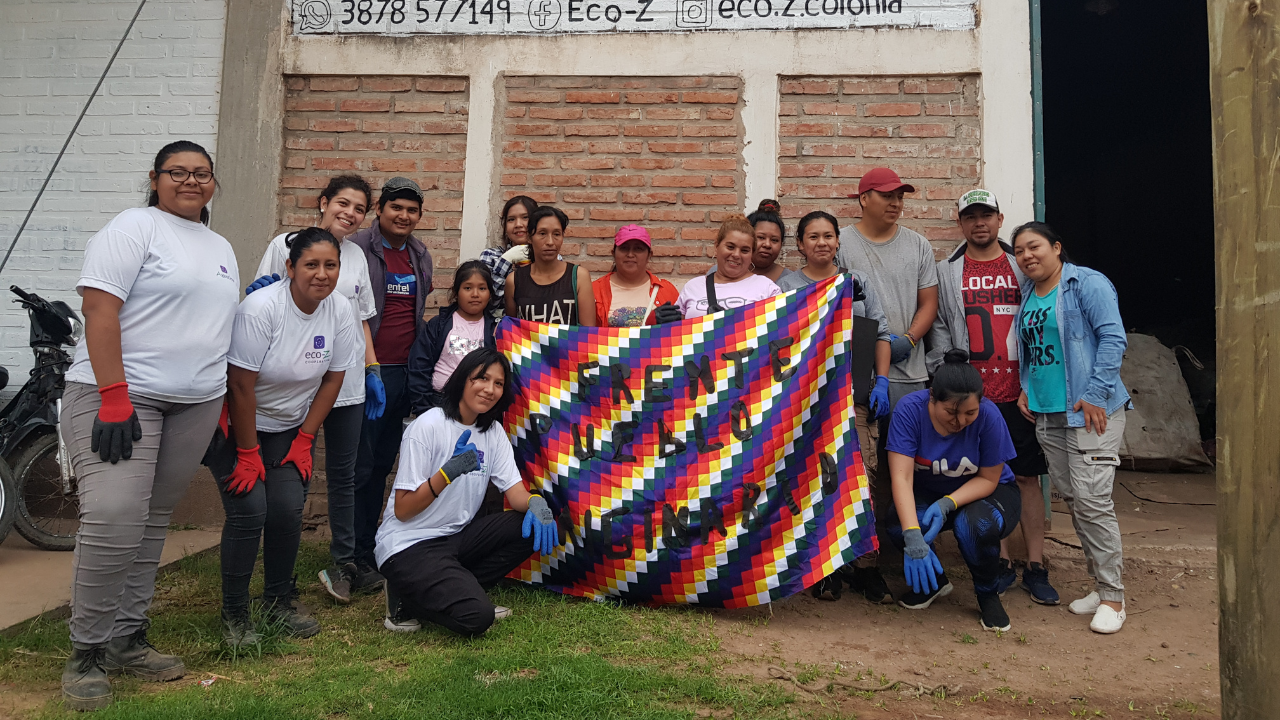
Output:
(1107, 621)
(501, 613)
(1087, 605)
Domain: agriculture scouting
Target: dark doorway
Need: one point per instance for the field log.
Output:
(1128, 157)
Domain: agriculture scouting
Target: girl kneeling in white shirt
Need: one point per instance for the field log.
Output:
(291, 346)
(437, 556)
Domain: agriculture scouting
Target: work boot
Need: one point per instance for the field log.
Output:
(290, 613)
(238, 630)
(828, 588)
(869, 583)
(85, 685)
(367, 579)
(134, 655)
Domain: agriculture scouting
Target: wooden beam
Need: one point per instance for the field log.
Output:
(1244, 57)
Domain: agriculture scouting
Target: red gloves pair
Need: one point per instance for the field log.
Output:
(249, 468)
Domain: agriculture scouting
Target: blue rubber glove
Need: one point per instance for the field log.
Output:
(539, 522)
(919, 563)
(465, 458)
(375, 393)
(262, 282)
(900, 348)
(935, 517)
(879, 399)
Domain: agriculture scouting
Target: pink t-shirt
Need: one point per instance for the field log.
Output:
(463, 338)
(752, 288)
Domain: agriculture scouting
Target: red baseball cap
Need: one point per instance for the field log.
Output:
(884, 180)
(632, 232)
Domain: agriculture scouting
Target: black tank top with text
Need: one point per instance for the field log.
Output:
(555, 303)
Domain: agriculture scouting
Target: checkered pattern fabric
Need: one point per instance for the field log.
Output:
(668, 493)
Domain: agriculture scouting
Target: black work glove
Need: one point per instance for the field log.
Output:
(667, 313)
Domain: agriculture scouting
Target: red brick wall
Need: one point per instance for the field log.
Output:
(665, 153)
(379, 127)
(833, 129)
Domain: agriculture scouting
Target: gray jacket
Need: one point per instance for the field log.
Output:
(950, 329)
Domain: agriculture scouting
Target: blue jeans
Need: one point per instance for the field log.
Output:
(342, 429)
(379, 444)
(979, 527)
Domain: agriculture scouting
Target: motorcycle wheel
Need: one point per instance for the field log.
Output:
(8, 500)
(47, 518)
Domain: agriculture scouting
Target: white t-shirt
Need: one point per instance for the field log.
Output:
(427, 445)
(353, 284)
(291, 351)
(752, 288)
(180, 285)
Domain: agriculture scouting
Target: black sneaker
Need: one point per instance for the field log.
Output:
(1035, 580)
(913, 600)
(828, 588)
(396, 620)
(291, 614)
(85, 685)
(1007, 577)
(868, 582)
(337, 581)
(367, 579)
(993, 615)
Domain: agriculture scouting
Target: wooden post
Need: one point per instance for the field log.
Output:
(1244, 79)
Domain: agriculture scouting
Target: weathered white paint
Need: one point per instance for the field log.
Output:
(1008, 149)
(506, 17)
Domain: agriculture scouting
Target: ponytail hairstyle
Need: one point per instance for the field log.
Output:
(348, 182)
(1044, 231)
(475, 363)
(769, 211)
(465, 272)
(811, 217)
(168, 151)
(303, 239)
(956, 379)
(529, 205)
(736, 223)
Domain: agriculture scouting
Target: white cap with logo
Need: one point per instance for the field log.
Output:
(977, 197)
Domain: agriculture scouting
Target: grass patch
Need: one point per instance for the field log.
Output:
(557, 657)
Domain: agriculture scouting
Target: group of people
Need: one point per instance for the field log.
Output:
(1021, 376)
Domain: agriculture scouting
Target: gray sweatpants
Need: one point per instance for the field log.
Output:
(125, 508)
(1082, 466)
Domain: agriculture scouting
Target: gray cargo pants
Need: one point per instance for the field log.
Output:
(125, 508)
(1082, 466)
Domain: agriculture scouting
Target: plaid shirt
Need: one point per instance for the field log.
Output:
(499, 268)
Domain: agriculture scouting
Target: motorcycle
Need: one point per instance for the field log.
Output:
(47, 500)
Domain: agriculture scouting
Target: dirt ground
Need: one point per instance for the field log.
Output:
(1164, 664)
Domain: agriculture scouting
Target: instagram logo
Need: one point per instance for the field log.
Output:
(693, 13)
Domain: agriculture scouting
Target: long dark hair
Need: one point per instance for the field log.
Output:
(1044, 231)
(303, 239)
(956, 379)
(769, 211)
(168, 151)
(529, 205)
(465, 272)
(546, 211)
(811, 217)
(475, 363)
(348, 182)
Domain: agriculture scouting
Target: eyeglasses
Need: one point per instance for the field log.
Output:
(203, 177)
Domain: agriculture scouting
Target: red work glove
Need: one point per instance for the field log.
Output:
(300, 455)
(116, 428)
(224, 419)
(247, 472)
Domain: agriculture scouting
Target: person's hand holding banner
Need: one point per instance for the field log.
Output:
(919, 563)
(667, 313)
(539, 521)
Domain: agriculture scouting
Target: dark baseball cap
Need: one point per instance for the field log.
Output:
(884, 180)
(400, 188)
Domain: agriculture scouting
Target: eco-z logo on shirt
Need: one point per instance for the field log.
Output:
(318, 353)
(222, 273)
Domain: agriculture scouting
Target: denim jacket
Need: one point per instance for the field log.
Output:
(1093, 340)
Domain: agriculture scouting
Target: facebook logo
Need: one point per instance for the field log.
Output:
(318, 343)
(544, 14)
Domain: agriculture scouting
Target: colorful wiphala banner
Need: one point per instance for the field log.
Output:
(712, 461)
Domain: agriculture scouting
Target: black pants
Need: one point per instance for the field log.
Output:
(342, 429)
(443, 580)
(272, 511)
(979, 527)
(379, 444)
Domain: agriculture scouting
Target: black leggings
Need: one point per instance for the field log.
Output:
(442, 580)
(272, 511)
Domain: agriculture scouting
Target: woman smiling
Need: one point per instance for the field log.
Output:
(733, 284)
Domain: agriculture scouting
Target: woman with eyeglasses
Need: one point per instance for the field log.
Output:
(143, 397)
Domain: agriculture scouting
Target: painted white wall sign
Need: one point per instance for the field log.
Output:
(506, 17)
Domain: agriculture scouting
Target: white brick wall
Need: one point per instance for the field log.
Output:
(163, 87)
